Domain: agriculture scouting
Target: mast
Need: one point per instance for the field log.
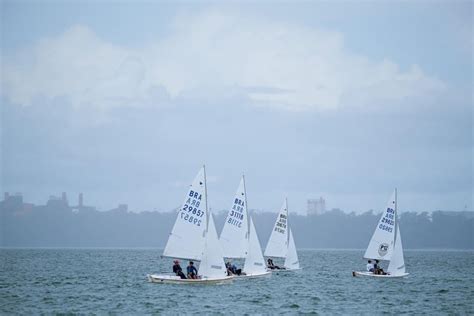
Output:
(396, 218)
(246, 208)
(205, 190)
(395, 200)
(287, 223)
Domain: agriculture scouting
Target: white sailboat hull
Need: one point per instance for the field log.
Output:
(371, 274)
(287, 270)
(173, 279)
(254, 275)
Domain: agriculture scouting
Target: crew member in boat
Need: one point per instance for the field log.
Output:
(192, 271)
(229, 268)
(370, 266)
(271, 265)
(178, 270)
(232, 269)
(378, 269)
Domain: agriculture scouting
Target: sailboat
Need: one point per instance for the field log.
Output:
(386, 243)
(194, 237)
(281, 243)
(239, 238)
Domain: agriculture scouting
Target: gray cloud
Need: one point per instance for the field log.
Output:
(146, 155)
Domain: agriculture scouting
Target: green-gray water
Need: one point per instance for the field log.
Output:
(114, 280)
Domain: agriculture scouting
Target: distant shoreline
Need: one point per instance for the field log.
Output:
(161, 249)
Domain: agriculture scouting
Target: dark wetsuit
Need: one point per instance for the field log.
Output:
(234, 270)
(271, 265)
(178, 271)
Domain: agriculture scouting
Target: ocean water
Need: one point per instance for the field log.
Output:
(36, 281)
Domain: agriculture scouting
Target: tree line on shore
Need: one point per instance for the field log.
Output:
(58, 225)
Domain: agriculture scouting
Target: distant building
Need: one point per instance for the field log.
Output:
(13, 203)
(58, 203)
(316, 206)
(64, 197)
(121, 208)
(80, 207)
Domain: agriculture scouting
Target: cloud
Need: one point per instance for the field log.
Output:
(211, 53)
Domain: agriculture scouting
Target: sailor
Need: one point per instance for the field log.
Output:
(378, 269)
(370, 266)
(228, 266)
(192, 271)
(271, 265)
(177, 269)
(232, 269)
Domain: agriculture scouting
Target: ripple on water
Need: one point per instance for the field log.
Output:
(75, 281)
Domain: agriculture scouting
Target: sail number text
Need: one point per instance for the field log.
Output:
(190, 211)
(236, 214)
(388, 221)
(280, 225)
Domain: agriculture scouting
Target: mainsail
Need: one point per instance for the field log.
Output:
(254, 262)
(381, 245)
(291, 260)
(186, 240)
(277, 245)
(234, 235)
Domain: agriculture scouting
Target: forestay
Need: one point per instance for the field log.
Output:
(186, 240)
(382, 243)
(254, 262)
(291, 260)
(277, 245)
(397, 263)
(212, 264)
(234, 236)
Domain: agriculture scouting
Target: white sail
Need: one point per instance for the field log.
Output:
(397, 263)
(277, 245)
(382, 243)
(234, 235)
(291, 260)
(186, 240)
(212, 263)
(254, 262)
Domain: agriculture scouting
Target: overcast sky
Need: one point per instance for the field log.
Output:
(124, 101)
